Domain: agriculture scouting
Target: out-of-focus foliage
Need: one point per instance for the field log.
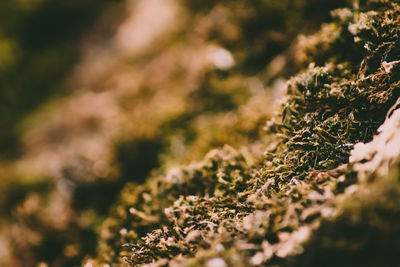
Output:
(39, 43)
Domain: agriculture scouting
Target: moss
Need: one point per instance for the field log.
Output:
(303, 204)
(300, 192)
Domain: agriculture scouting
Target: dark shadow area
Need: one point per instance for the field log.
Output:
(136, 159)
(372, 240)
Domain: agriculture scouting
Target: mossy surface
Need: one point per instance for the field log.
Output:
(129, 110)
(167, 152)
(303, 203)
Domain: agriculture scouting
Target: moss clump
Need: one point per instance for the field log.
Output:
(365, 232)
(125, 115)
(230, 211)
(342, 100)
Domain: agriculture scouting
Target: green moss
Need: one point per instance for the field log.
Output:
(302, 192)
(289, 207)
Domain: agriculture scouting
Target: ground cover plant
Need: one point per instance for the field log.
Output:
(233, 133)
(305, 203)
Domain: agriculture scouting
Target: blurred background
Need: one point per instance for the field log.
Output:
(95, 95)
